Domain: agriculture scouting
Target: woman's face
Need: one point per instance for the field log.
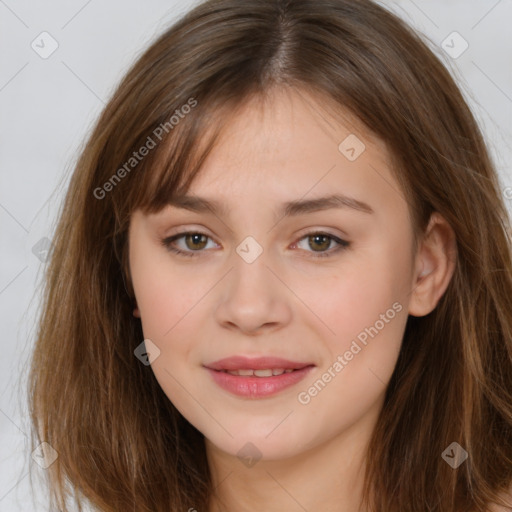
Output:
(324, 285)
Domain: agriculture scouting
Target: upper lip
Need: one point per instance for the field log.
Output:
(255, 363)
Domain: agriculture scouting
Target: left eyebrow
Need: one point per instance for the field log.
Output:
(291, 208)
(302, 206)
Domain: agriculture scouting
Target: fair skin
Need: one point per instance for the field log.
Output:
(288, 302)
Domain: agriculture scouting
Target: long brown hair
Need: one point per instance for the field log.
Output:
(121, 443)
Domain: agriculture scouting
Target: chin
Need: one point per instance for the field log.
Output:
(259, 441)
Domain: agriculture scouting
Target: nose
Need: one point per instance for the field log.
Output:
(252, 299)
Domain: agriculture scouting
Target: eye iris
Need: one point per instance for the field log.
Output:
(195, 237)
(318, 238)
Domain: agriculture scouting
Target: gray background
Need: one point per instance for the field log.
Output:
(47, 106)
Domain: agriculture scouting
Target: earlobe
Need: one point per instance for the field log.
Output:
(435, 265)
(136, 312)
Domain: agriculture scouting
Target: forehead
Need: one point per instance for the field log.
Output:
(291, 144)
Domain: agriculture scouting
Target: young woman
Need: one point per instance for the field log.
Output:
(281, 279)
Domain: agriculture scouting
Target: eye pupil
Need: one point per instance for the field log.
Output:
(194, 237)
(318, 239)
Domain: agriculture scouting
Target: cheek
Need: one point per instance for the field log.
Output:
(172, 303)
(353, 296)
(365, 311)
(369, 323)
(168, 305)
(164, 296)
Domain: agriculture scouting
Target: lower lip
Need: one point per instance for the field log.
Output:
(258, 387)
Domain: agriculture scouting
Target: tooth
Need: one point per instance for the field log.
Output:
(244, 373)
(258, 373)
(263, 373)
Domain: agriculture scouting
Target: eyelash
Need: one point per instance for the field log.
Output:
(167, 243)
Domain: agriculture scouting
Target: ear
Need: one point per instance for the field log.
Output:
(136, 312)
(434, 266)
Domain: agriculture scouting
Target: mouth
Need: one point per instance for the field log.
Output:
(269, 372)
(257, 377)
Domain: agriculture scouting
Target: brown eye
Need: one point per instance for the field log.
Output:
(195, 241)
(319, 242)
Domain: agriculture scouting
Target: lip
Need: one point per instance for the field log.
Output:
(257, 387)
(255, 363)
